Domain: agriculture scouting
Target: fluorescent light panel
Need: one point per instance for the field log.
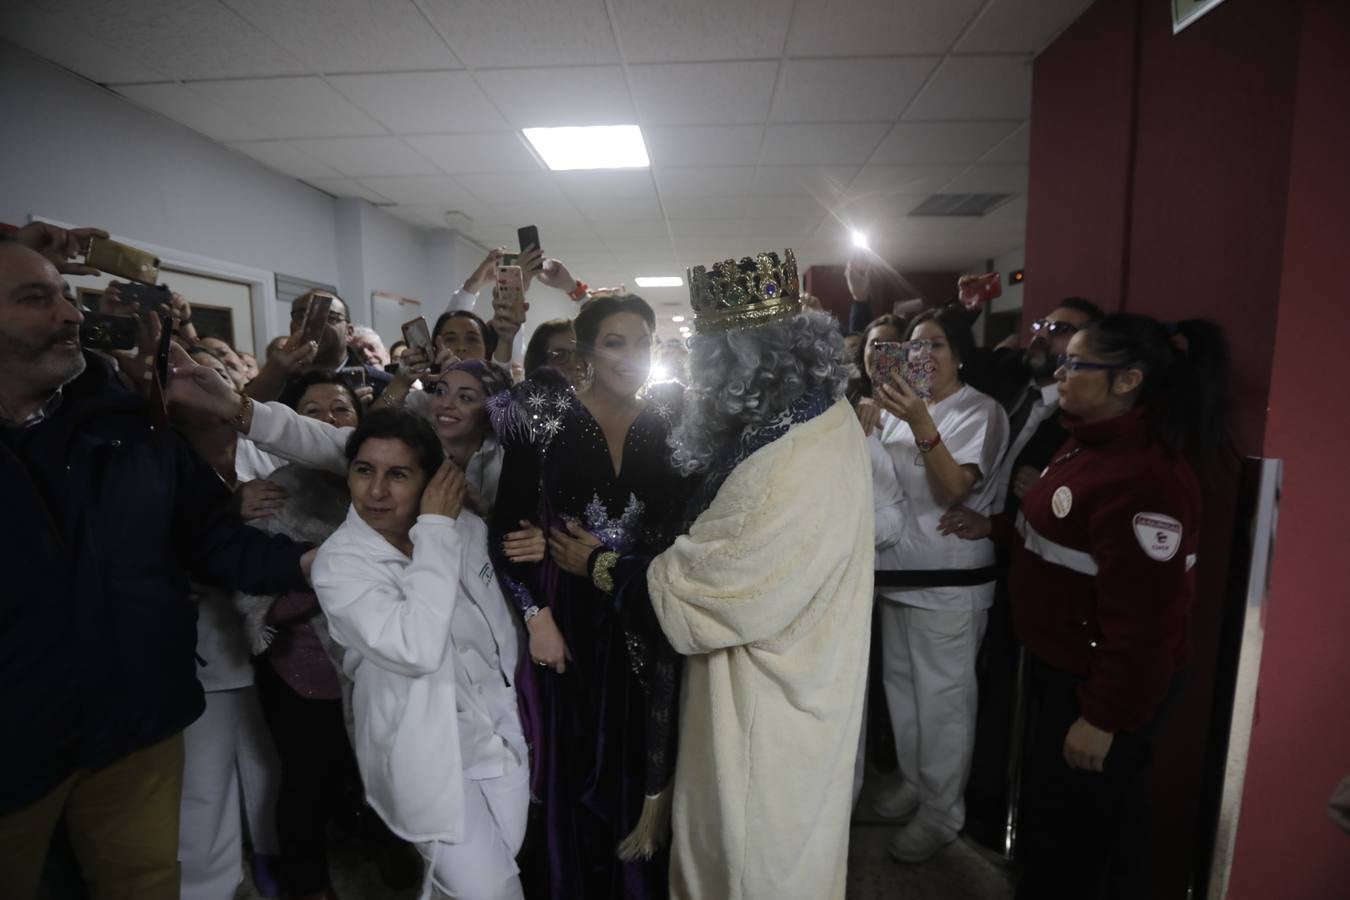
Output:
(592, 147)
(659, 281)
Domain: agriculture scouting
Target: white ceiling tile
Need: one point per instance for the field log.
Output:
(290, 107)
(349, 35)
(634, 228)
(366, 156)
(976, 87)
(419, 189)
(346, 187)
(943, 143)
(798, 206)
(1016, 26)
(684, 229)
(698, 145)
(1015, 148)
(502, 33)
(703, 93)
(842, 144)
(878, 27)
(422, 102)
(701, 29)
(494, 151)
(902, 179)
(729, 207)
(626, 183)
(774, 231)
(846, 90)
(286, 158)
(600, 207)
(594, 95)
(649, 249)
(705, 181)
(62, 40)
(514, 187)
(186, 38)
(987, 179)
(179, 103)
(550, 212)
(815, 181)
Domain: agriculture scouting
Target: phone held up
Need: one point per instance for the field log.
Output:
(911, 360)
(101, 331)
(511, 286)
(122, 261)
(316, 317)
(353, 377)
(417, 336)
(976, 290)
(528, 237)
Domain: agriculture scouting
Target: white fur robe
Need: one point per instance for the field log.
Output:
(770, 597)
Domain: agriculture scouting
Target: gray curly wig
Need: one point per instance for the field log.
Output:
(748, 376)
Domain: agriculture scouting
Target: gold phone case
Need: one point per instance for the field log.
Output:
(122, 261)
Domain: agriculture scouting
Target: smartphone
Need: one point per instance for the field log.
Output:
(510, 259)
(352, 376)
(510, 288)
(101, 331)
(316, 317)
(528, 237)
(978, 290)
(152, 297)
(122, 260)
(416, 334)
(914, 364)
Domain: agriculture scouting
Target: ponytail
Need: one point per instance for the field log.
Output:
(1185, 390)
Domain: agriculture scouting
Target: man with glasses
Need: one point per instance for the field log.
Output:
(331, 354)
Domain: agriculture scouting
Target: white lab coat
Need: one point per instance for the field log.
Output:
(432, 649)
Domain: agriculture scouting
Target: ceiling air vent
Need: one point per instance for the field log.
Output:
(959, 204)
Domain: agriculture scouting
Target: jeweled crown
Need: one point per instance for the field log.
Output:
(743, 294)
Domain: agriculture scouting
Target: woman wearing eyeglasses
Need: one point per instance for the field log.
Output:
(1101, 585)
(935, 589)
(554, 345)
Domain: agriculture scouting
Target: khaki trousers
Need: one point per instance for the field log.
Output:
(122, 821)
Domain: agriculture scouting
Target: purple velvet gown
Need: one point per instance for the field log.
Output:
(596, 747)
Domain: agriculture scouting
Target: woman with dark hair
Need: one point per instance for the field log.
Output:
(593, 467)
(430, 646)
(465, 335)
(883, 329)
(554, 344)
(941, 443)
(1102, 584)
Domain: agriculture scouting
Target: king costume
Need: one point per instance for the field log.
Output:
(769, 597)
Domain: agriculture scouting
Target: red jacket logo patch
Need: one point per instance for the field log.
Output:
(1158, 535)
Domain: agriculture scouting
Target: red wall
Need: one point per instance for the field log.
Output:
(1287, 847)
(1160, 184)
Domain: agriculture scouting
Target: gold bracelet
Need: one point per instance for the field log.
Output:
(602, 574)
(245, 407)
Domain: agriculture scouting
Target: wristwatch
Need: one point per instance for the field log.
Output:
(927, 445)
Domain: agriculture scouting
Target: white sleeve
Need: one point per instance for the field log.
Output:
(278, 429)
(886, 494)
(404, 628)
(462, 300)
(978, 435)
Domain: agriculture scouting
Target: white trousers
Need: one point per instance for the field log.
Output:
(483, 866)
(228, 763)
(928, 670)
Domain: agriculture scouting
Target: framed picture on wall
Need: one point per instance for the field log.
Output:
(214, 321)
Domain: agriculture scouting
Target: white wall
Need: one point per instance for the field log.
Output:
(74, 152)
(78, 153)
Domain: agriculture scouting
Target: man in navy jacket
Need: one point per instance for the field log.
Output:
(106, 518)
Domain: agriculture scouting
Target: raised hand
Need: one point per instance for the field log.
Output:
(61, 245)
(444, 493)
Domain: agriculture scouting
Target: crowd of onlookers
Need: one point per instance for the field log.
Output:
(193, 695)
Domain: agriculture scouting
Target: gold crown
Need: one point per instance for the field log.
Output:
(744, 294)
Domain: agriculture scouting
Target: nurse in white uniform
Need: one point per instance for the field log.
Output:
(940, 452)
(431, 647)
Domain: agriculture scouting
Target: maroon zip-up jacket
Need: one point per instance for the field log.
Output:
(1101, 577)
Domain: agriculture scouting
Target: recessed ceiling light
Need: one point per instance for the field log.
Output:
(659, 281)
(677, 318)
(592, 147)
(860, 240)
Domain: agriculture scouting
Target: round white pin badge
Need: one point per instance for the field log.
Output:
(1061, 502)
